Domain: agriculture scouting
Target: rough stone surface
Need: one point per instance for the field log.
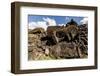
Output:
(66, 43)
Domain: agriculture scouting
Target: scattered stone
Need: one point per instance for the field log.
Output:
(58, 42)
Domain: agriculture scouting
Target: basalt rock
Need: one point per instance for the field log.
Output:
(58, 42)
(60, 33)
(64, 50)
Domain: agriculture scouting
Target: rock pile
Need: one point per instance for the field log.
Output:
(65, 42)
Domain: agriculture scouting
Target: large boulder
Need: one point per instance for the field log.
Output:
(36, 31)
(58, 42)
(64, 50)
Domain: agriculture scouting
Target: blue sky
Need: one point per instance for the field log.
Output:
(58, 19)
(35, 21)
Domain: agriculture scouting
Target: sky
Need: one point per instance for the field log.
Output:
(48, 20)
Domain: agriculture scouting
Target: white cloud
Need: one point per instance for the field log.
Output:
(50, 22)
(67, 18)
(61, 25)
(84, 21)
(33, 25)
(44, 24)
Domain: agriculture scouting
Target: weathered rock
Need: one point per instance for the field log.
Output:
(58, 42)
(83, 38)
(64, 50)
(59, 33)
(36, 31)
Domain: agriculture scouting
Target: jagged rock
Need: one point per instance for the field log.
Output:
(72, 22)
(32, 38)
(36, 31)
(64, 50)
(69, 33)
(58, 42)
(83, 38)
